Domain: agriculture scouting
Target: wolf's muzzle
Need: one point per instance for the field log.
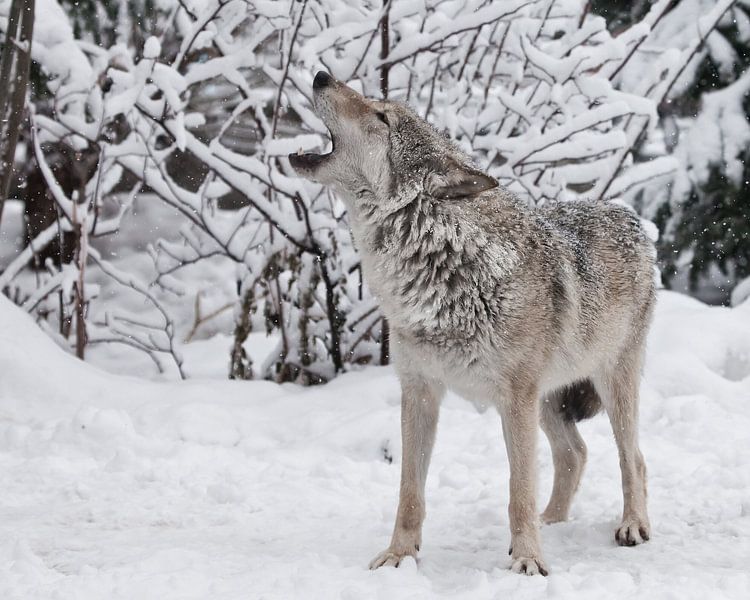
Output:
(322, 79)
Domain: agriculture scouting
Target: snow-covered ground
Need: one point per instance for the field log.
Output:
(114, 487)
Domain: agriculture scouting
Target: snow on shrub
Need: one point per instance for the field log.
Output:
(202, 111)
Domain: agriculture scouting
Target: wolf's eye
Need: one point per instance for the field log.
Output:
(381, 117)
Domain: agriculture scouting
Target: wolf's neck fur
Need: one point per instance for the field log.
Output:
(433, 266)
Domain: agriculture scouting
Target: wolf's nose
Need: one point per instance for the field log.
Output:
(322, 79)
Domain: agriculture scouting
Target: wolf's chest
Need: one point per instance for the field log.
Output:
(441, 290)
(420, 295)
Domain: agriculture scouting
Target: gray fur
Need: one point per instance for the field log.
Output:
(508, 305)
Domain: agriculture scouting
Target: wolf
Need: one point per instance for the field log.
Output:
(541, 312)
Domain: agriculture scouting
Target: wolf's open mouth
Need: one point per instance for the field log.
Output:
(311, 160)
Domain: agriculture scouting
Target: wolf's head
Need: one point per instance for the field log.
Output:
(383, 155)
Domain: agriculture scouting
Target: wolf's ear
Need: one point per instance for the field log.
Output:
(455, 180)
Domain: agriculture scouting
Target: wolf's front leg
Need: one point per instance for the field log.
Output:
(420, 405)
(520, 416)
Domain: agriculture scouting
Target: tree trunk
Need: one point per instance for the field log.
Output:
(81, 232)
(14, 78)
(385, 48)
(384, 72)
(241, 365)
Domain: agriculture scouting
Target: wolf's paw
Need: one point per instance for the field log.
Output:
(529, 566)
(392, 557)
(548, 517)
(633, 532)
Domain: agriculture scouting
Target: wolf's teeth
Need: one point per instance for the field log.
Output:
(300, 152)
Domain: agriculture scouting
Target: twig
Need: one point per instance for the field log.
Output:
(199, 319)
(277, 105)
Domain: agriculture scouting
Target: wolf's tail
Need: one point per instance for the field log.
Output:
(578, 401)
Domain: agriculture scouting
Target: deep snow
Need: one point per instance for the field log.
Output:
(114, 487)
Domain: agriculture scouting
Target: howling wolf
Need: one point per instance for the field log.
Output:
(541, 312)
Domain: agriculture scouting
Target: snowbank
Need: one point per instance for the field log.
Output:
(114, 487)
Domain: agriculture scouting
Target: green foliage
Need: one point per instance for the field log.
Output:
(620, 14)
(711, 228)
(93, 19)
(709, 75)
(711, 224)
(107, 22)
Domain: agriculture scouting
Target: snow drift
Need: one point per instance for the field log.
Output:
(115, 487)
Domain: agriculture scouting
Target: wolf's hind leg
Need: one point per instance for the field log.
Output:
(420, 405)
(558, 420)
(619, 393)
